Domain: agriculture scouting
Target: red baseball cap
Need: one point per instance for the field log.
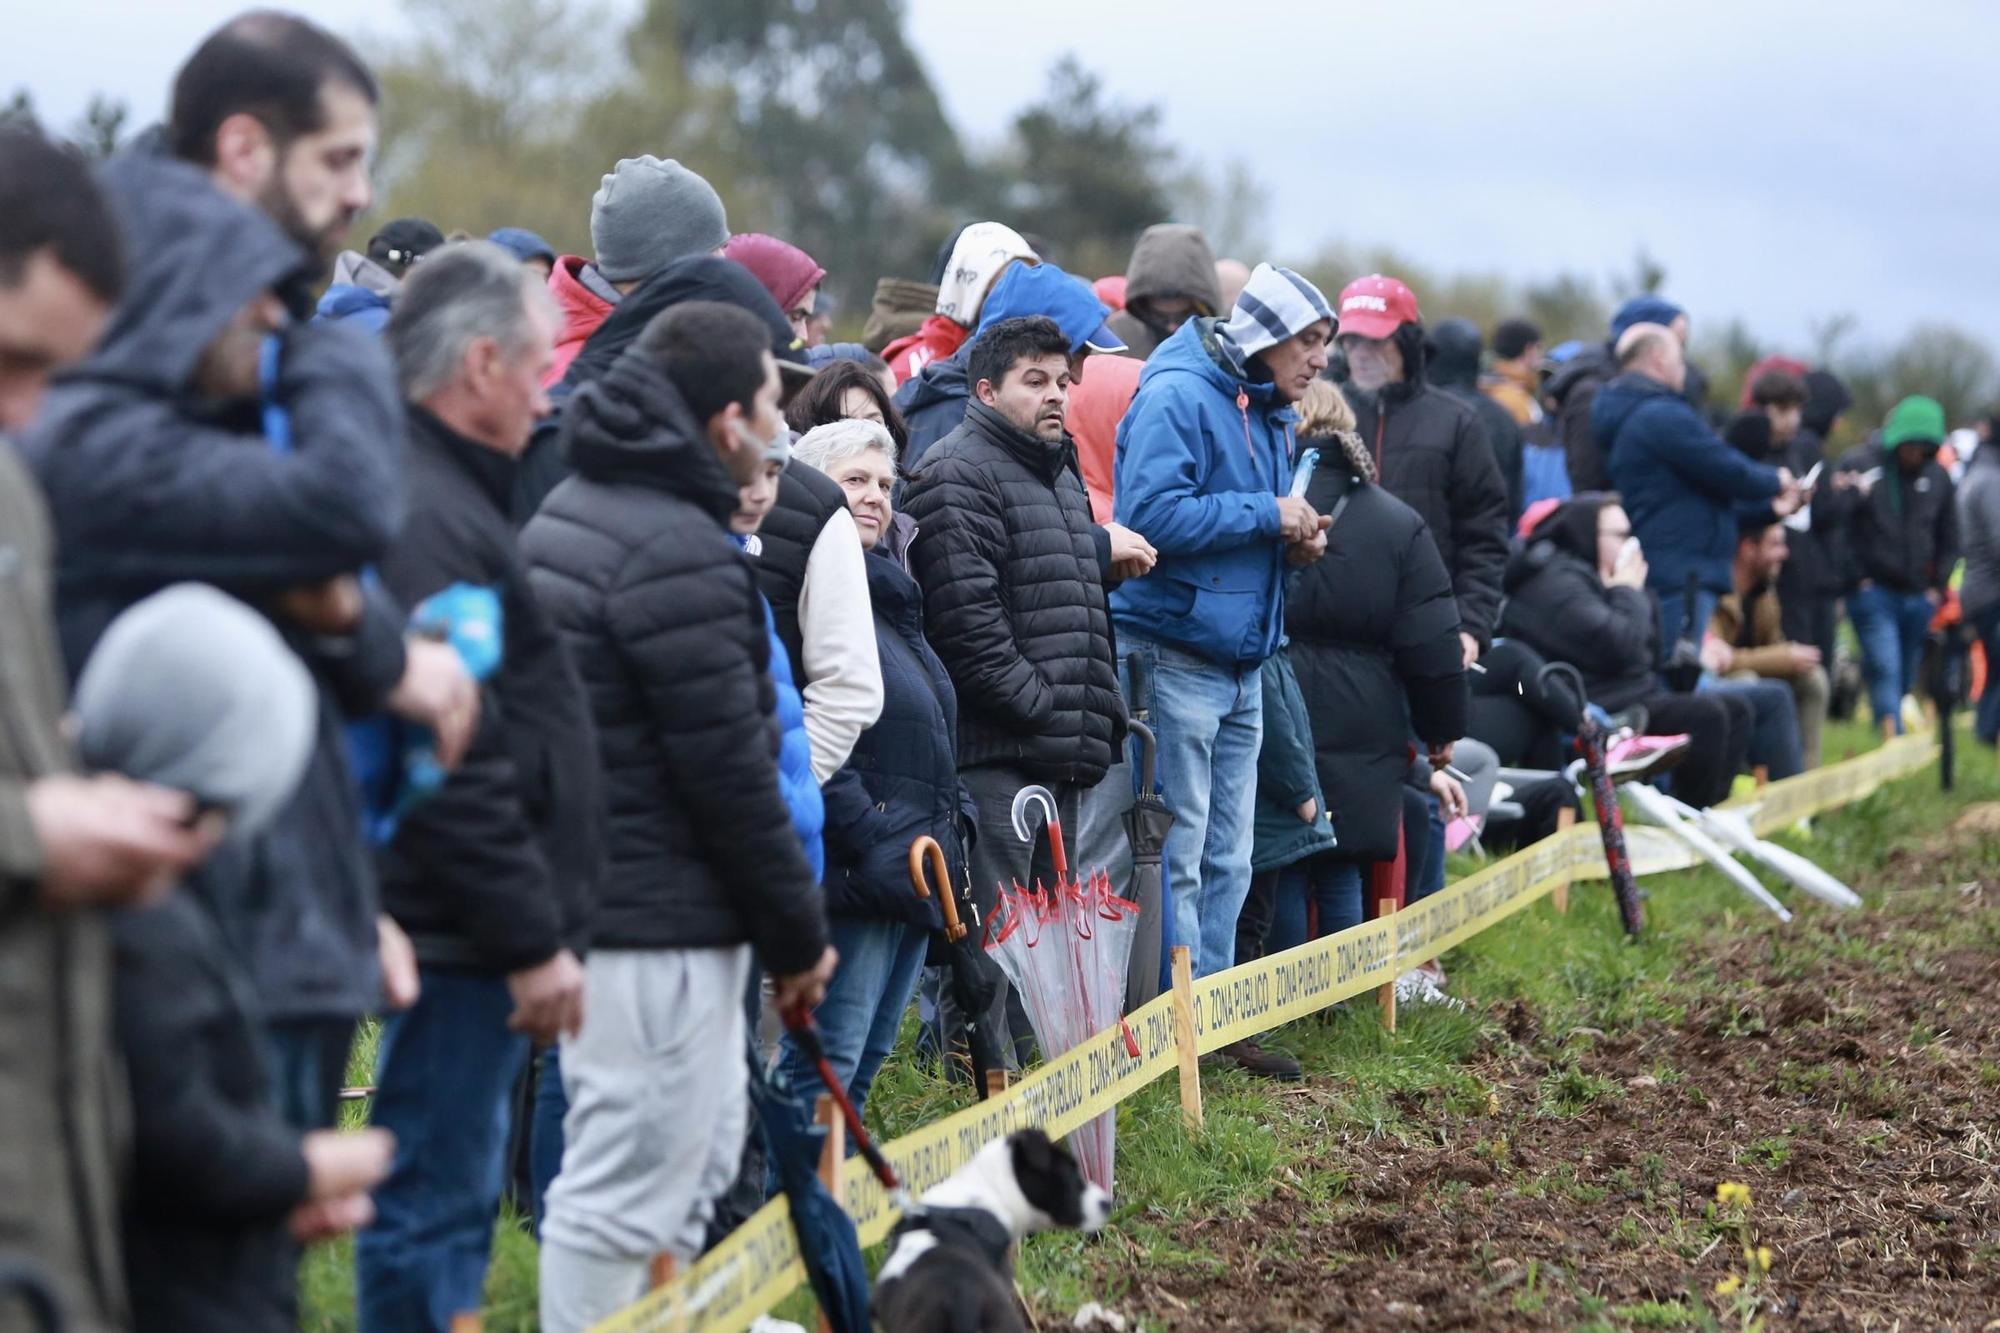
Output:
(1376, 307)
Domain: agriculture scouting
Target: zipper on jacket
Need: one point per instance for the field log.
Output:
(1243, 408)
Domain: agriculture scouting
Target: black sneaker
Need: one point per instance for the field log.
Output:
(1248, 1055)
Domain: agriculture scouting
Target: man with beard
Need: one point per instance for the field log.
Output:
(281, 115)
(277, 115)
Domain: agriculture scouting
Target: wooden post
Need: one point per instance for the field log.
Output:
(996, 1081)
(1385, 994)
(1559, 895)
(1760, 774)
(1184, 1041)
(658, 1275)
(471, 1323)
(832, 1158)
(1888, 730)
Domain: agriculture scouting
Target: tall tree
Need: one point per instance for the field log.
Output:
(1086, 174)
(101, 130)
(836, 122)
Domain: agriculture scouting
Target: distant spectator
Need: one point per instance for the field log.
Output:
(1515, 378)
(1231, 277)
(1749, 632)
(789, 274)
(1454, 350)
(1902, 530)
(1429, 447)
(648, 213)
(1979, 528)
(935, 402)
(364, 285)
(1680, 482)
(1771, 430)
(1576, 593)
(1170, 280)
(978, 257)
(527, 247)
(846, 391)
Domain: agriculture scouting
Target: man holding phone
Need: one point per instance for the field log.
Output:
(1206, 473)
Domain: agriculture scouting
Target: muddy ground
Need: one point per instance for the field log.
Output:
(1847, 1072)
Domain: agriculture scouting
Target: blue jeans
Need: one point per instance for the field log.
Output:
(1209, 721)
(1892, 627)
(1432, 879)
(1331, 885)
(864, 1005)
(307, 1058)
(1673, 616)
(444, 1081)
(1986, 722)
(1774, 725)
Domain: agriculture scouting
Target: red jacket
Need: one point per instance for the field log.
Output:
(582, 311)
(1097, 403)
(937, 339)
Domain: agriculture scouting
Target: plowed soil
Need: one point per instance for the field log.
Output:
(1846, 1070)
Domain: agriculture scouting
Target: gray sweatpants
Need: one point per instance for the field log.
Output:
(658, 1103)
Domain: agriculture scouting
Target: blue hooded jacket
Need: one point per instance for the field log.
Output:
(1681, 483)
(1202, 458)
(795, 770)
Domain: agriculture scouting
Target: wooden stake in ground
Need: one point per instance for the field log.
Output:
(1385, 994)
(1184, 1045)
(1559, 895)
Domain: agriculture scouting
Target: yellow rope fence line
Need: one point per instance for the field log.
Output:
(758, 1265)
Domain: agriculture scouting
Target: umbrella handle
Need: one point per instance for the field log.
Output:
(1028, 796)
(925, 849)
(1149, 751)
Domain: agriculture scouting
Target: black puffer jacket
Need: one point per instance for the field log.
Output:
(807, 499)
(496, 869)
(1432, 454)
(1558, 606)
(1574, 389)
(1374, 643)
(1014, 600)
(1454, 367)
(1903, 534)
(902, 781)
(149, 488)
(215, 1170)
(633, 560)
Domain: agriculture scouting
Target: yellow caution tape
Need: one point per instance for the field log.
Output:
(758, 1265)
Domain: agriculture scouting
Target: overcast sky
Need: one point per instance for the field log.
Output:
(1784, 161)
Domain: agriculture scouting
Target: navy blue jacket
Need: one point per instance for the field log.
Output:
(902, 781)
(933, 406)
(1679, 480)
(1202, 458)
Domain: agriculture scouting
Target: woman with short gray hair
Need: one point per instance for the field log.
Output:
(901, 783)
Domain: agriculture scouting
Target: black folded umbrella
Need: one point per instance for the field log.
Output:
(974, 978)
(829, 1246)
(1146, 826)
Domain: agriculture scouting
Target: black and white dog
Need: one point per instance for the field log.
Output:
(950, 1266)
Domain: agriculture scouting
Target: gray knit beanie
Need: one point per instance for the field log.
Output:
(193, 690)
(650, 212)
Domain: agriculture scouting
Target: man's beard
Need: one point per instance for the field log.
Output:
(321, 247)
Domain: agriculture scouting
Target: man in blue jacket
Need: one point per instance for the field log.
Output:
(1680, 481)
(1205, 459)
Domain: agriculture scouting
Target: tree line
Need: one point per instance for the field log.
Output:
(817, 119)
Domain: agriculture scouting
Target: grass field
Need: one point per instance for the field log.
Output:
(1551, 1157)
